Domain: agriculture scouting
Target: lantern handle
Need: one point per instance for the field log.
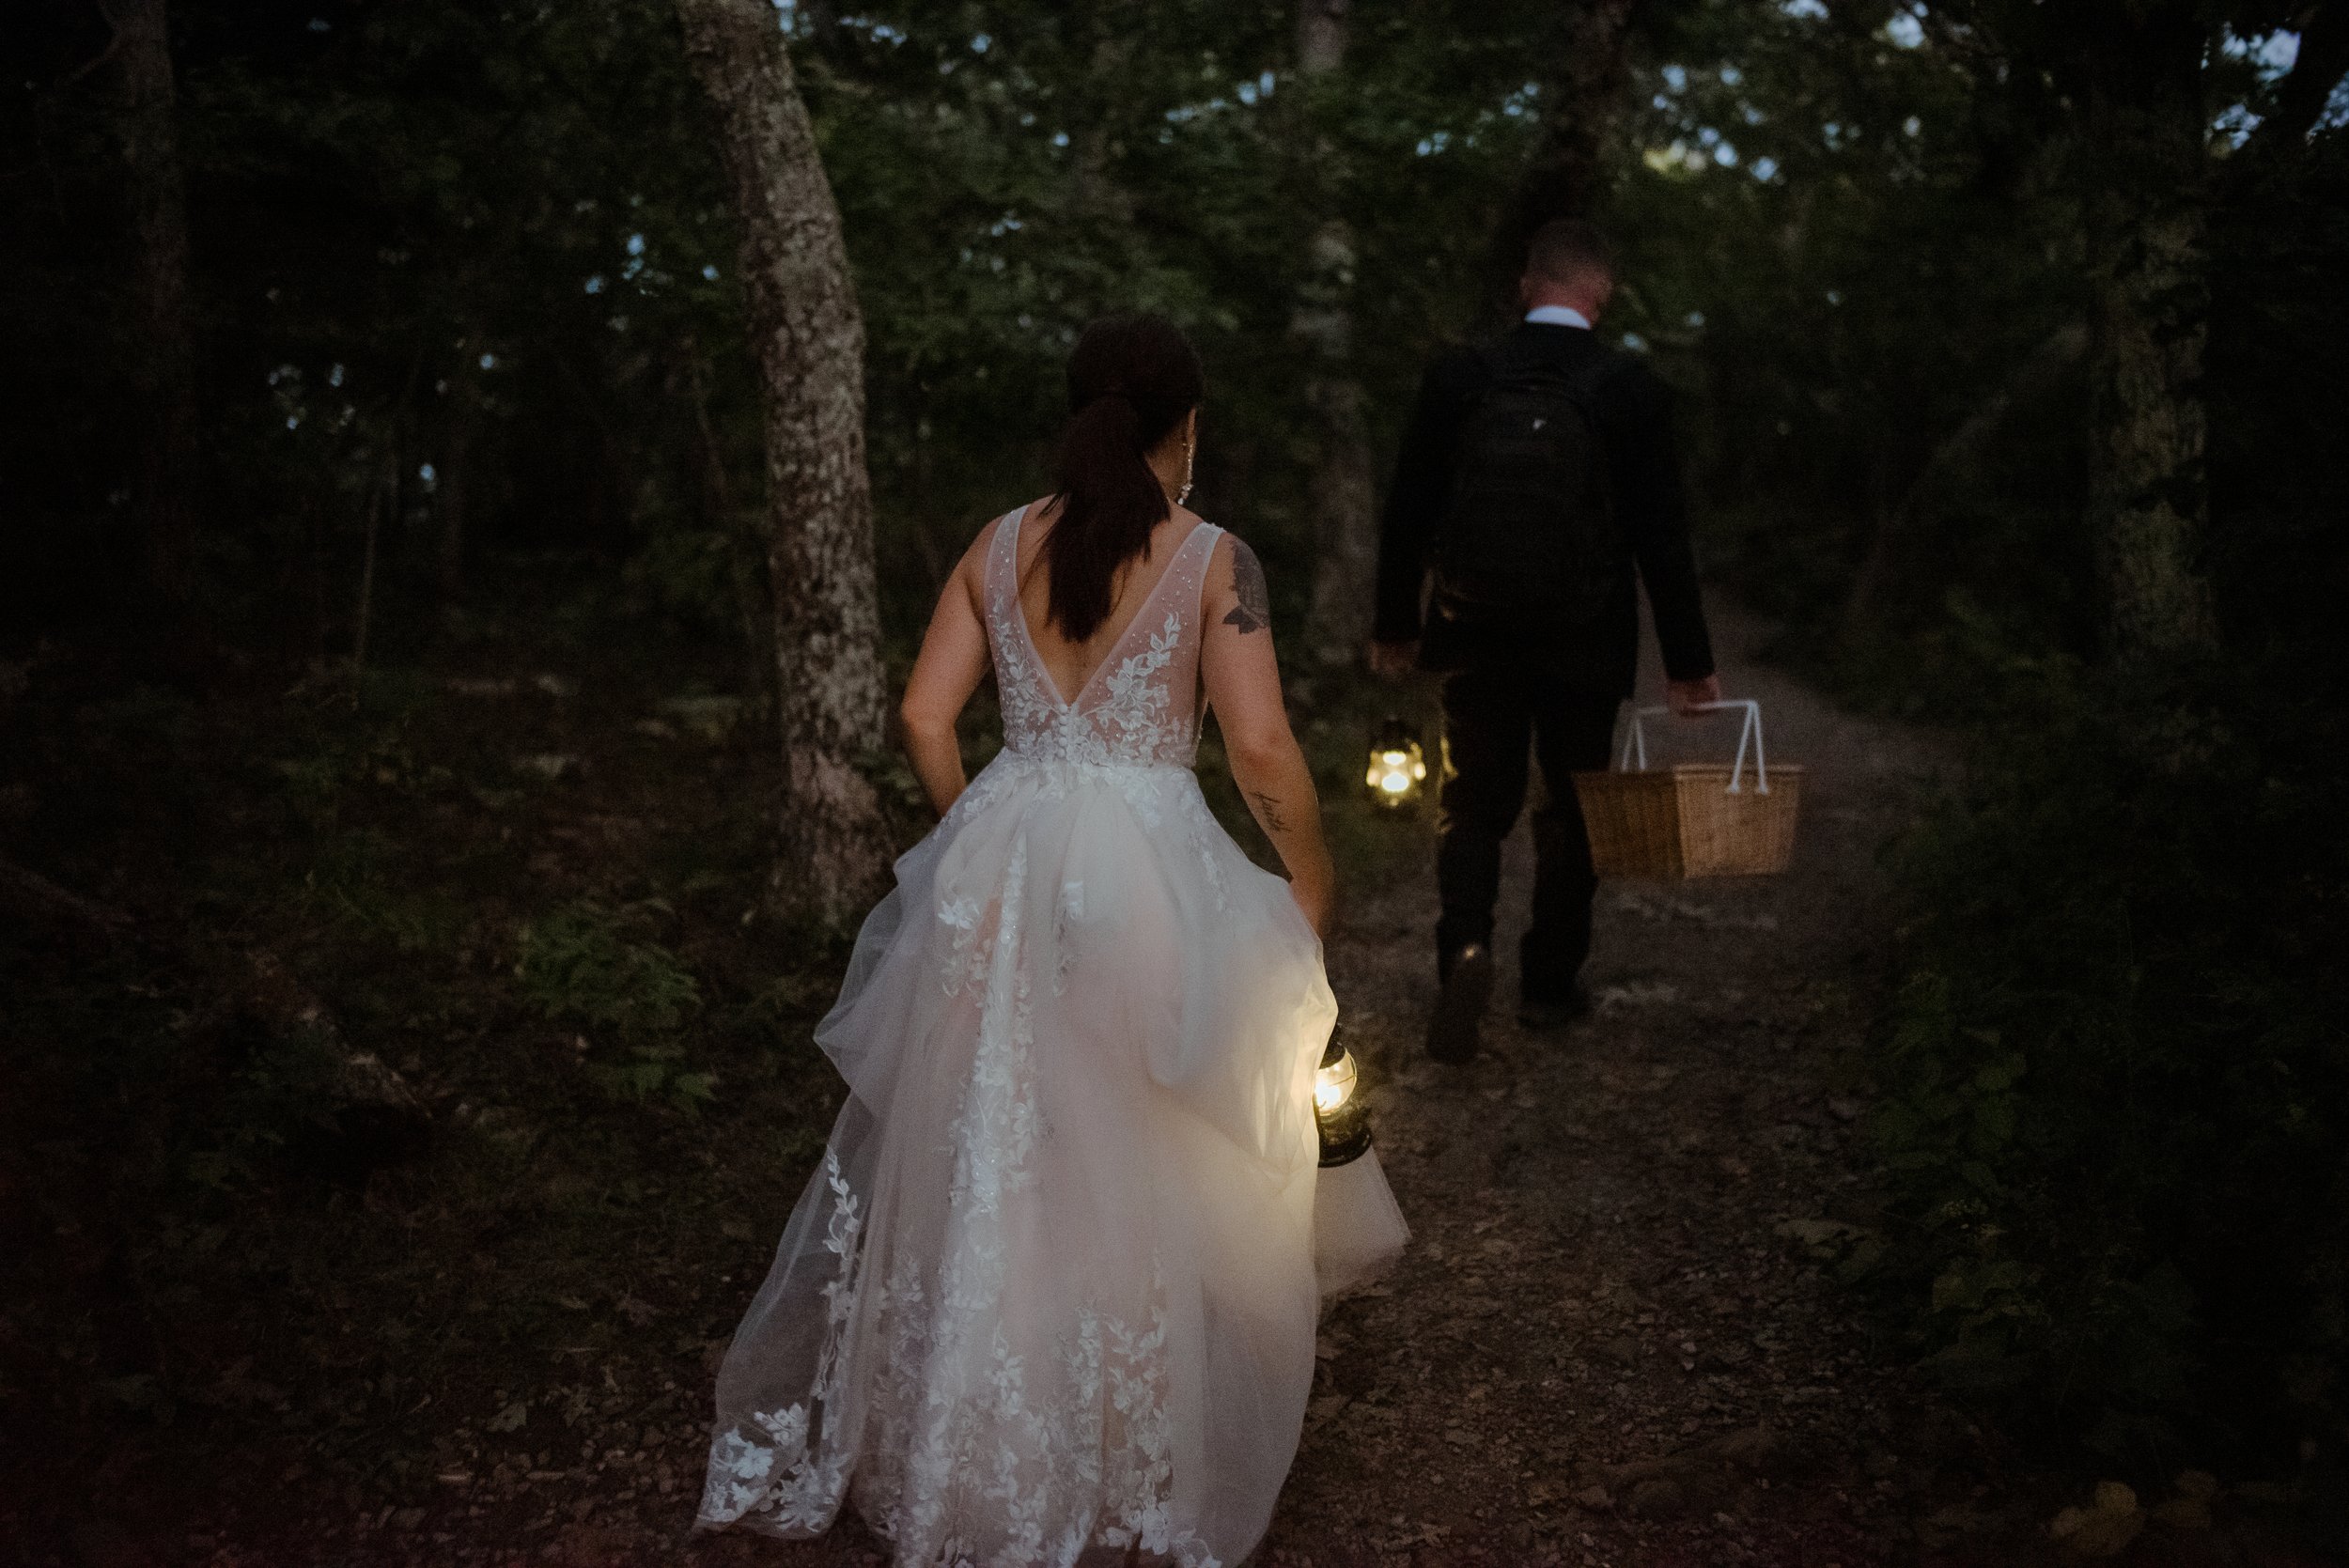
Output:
(1748, 734)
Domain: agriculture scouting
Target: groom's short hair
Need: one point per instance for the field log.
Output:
(1564, 249)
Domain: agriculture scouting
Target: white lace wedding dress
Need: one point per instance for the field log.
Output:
(1051, 1292)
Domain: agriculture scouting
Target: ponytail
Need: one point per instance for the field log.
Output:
(1131, 381)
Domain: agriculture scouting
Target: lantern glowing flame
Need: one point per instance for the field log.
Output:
(1397, 767)
(1342, 1119)
(1333, 1082)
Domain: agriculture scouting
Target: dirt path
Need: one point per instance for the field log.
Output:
(1614, 1339)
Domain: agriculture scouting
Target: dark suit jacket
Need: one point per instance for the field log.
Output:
(1632, 409)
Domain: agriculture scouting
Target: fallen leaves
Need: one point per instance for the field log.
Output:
(2106, 1527)
(708, 718)
(1618, 998)
(1824, 1239)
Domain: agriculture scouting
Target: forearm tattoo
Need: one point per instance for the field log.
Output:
(1254, 612)
(1267, 808)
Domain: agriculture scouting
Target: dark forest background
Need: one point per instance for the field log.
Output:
(386, 646)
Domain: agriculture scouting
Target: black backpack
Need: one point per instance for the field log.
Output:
(1529, 526)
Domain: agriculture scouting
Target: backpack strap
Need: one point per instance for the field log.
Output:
(1580, 383)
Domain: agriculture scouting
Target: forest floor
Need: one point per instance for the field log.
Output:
(1621, 1334)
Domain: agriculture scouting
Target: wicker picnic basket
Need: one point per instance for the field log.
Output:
(1691, 819)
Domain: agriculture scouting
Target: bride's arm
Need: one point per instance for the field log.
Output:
(1244, 687)
(952, 662)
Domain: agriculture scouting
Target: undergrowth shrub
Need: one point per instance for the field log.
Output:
(2117, 1111)
(596, 967)
(277, 1095)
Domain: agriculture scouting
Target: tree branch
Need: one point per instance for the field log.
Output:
(1963, 453)
(114, 47)
(38, 904)
(2308, 87)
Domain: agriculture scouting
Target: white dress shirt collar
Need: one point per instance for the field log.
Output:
(1558, 316)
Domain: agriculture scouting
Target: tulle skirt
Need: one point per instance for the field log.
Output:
(1051, 1292)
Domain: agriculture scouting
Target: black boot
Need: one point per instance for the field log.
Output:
(1455, 1031)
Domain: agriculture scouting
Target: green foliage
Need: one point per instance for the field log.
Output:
(2117, 1074)
(1003, 179)
(353, 880)
(590, 965)
(653, 1070)
(2116, 1105)
(1839, 250)
(691, 574)
(272, 1097)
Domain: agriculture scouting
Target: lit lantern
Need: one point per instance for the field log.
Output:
(1345, 1122)
(1397, 767)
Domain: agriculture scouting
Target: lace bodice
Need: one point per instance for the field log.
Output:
(1139, 707)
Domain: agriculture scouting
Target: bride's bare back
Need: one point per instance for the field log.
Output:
(1070, 664)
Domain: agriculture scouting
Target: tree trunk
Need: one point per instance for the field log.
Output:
(1580, 99)
(2302, 96)
(718, 510)
(383, 503)
(809, 336)
(1098, 202)
(453, 488)
(1339, 506)
(2147, 226)
(1954, 463)
(1584, 96)
(161, 346)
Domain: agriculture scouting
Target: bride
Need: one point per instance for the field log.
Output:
(1051, 1295)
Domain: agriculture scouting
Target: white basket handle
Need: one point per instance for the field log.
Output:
(1749, 733)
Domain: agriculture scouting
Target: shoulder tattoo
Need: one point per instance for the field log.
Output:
(1254, 612)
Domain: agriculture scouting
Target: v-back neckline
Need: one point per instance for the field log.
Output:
(1019, 614)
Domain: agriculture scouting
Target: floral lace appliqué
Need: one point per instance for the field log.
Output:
(806, 1493)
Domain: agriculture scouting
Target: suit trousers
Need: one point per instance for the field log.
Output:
(1494, 713)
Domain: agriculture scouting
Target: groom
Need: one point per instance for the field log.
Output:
(1539, 480)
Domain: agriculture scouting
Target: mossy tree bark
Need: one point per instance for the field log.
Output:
(2147, 231)
(809, 336)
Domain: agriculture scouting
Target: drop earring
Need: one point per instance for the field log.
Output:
(1184, 494)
